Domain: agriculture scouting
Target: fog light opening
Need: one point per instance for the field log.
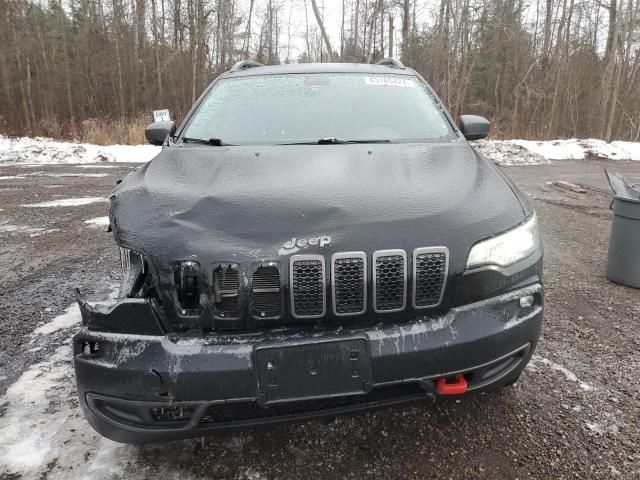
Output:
(172, 414)
(528, 301)
(90, 348)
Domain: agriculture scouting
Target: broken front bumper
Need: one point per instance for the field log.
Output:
(137, 388)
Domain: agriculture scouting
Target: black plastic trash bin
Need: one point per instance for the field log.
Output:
(623, 263)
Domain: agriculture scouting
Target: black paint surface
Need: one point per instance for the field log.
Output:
(241, 204)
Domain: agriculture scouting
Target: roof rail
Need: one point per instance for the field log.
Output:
(244, 64)
(390, 62)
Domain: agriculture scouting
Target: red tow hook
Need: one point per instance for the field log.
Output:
(451, 386)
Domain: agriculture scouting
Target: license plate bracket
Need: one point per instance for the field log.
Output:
(304, 371)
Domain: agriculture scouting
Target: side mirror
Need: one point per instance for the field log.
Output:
(157, 132)
(474, 127)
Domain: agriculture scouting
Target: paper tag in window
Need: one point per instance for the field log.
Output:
(161, 116)
(386, 80)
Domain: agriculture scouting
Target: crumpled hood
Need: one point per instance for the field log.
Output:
(243, 203)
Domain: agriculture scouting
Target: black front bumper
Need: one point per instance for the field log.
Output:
(139, 388)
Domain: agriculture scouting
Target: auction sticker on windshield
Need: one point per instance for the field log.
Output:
(387, 80)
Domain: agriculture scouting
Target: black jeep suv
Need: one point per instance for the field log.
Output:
(313, 240)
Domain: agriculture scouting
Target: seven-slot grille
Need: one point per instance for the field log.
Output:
(308, 286)
(349, 283)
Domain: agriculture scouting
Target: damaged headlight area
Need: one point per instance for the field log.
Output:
(136, 281)
(137, 310)
(507, 248)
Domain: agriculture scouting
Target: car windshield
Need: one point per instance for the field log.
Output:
(307, 108)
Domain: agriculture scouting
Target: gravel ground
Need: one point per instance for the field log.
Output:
(574, 414)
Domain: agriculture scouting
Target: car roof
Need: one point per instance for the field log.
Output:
(320, 68)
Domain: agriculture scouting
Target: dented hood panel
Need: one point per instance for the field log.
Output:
(244, 203)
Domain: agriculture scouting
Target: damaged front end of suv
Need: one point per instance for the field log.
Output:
(313, 240)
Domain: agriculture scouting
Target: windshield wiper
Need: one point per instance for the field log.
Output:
(373, 140)
(337, 141)
(214, 142)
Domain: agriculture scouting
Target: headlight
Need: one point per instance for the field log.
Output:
(507, 248)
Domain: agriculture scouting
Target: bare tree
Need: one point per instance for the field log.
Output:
(391, 33)
(156, 48)
(325, 37)
(405, 28)
(247, 37)
(572, 69)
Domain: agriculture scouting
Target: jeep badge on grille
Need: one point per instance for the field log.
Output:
(321, 241)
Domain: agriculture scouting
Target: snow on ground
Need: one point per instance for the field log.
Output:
(37, 151)
(574, 149)
(98, 222)
(26, 150)
(66, 202)
(531, 152)
(45, 435)
(44, 231)
(43, 432)
(504, 152)
(23, 176)
(68, 319)
(6, 227)
(568, 374)
(93, 175)
(93, 165)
